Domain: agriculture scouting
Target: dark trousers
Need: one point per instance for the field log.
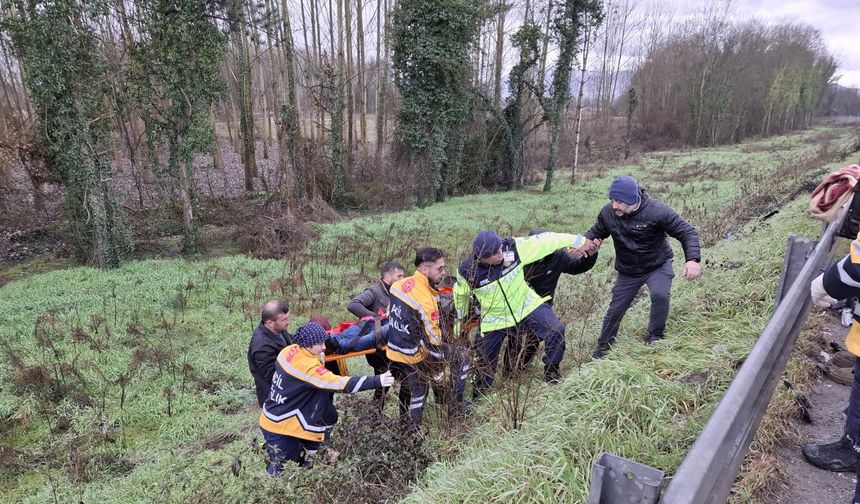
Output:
(852, 424)
(519, 352)
(542, 322)
(626, 287)
(415, 380)
(414, 385)
(380, 364)
(280, 448)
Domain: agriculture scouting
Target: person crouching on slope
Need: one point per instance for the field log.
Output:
(299, 412)
(494, 275)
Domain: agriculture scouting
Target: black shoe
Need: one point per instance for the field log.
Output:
(836, 457)
(331, 346)
(650, 340)
(598, 354)
(552, 374)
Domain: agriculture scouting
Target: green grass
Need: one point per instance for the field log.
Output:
(175, 332)
(644, 403)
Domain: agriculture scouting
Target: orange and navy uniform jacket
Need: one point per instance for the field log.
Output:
(300, 400)
(414, 332)
(842, 280)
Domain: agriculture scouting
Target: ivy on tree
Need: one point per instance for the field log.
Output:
(174, 80)
(56, 45)
(432, 70)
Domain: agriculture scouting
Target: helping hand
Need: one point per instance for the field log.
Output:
(386, 380)
(585, 250)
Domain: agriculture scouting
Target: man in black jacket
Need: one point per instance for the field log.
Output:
(639, 225)
(543, 277)
(268, 339)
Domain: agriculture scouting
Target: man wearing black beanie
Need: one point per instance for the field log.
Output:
(638, 226)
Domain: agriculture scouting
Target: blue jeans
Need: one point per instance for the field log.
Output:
(280, 449)
(347, 342)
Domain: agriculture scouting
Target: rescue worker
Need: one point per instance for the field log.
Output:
(494, 274)
(417, 346)
(543, 277)
(299, 412)
(840, 281)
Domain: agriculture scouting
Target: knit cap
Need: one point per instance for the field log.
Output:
(486, 244)
(309, 335)
(624, 189)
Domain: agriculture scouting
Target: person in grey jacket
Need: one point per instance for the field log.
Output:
(370, 304)
(375, 297)
(638, 225)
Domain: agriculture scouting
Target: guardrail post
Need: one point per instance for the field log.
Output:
(797, 251)
(616, 480)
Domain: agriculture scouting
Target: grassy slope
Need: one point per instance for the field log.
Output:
(644, 403)
(182, 328)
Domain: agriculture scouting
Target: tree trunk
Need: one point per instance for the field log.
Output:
(380, 11)
(544, 50)
(189, 242)
(289, 114)
(316, 18)
(362, 82)
(311, 59)
(586, 46)
(246, 113)
(217, 160)
(500, 47)
(381, 115)
(348, 77)
(266, 132)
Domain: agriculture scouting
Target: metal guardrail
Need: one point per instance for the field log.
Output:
(707, 473)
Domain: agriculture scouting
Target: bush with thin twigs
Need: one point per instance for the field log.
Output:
(136, 371)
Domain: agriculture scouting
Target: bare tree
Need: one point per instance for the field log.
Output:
(362, 71)
(500, 48)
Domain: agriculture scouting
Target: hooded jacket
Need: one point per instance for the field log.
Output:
(300, 400)
(504, 296)
(640, 236)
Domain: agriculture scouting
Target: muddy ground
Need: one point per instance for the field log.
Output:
(805, 483)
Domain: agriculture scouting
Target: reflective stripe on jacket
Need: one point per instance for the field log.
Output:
(841, 281)
(300, 402)
(504, 296)
(413, 317)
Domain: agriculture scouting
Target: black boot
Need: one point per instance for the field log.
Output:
(836, 457)
(551, 374)
(651, 339)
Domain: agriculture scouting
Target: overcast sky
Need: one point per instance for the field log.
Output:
(838, 20)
